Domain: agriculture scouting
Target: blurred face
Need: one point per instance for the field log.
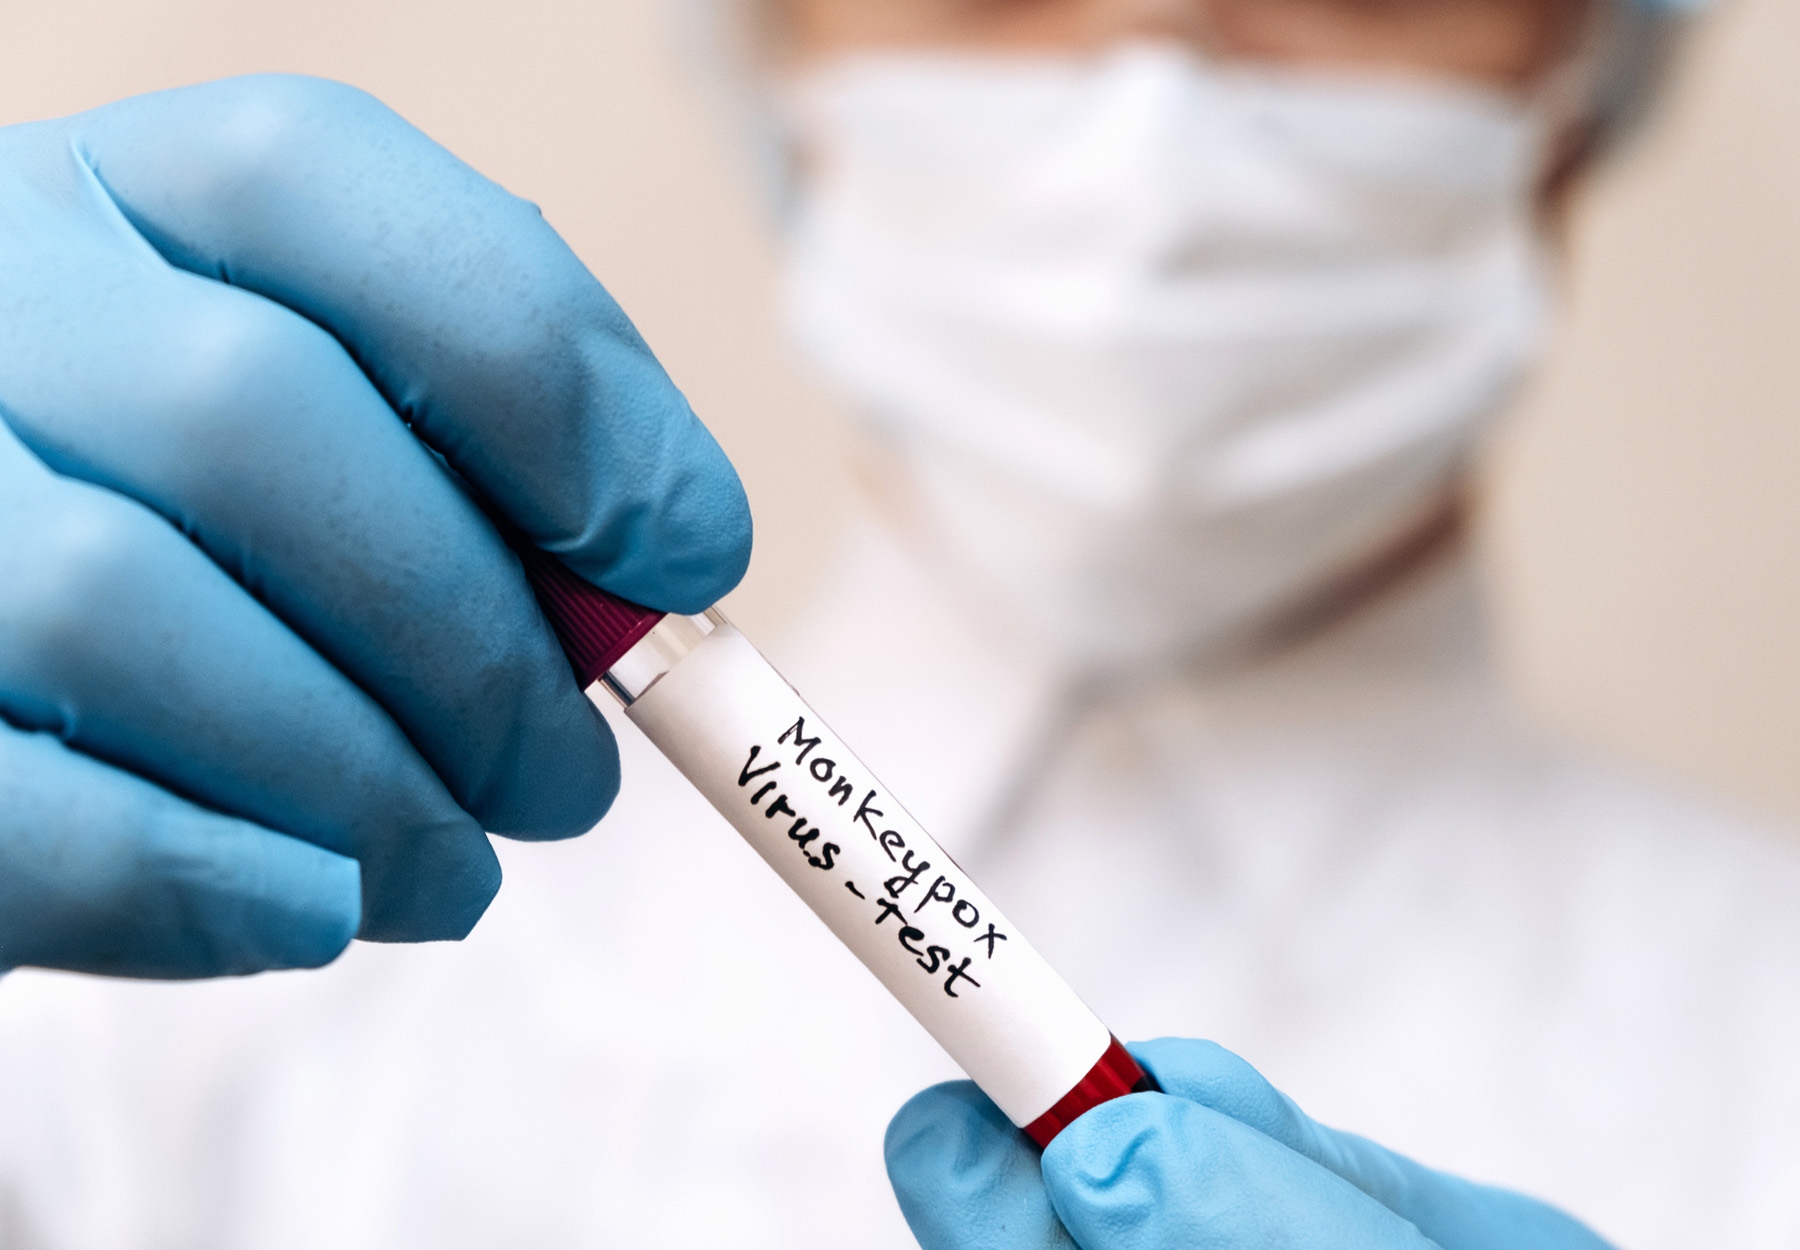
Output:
(1174, 314)
(1505, 43)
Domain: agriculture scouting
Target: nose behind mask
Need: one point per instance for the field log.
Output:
(1159, 346)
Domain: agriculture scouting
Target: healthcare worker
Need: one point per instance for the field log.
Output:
(1173, 328)
(1262, 311)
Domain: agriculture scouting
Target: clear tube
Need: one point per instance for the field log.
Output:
(729, 722)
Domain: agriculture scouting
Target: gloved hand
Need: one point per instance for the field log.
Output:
(266, 671)
(1220, 1160)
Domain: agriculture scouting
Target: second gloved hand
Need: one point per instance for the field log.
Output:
(1220, 1160)
(267, 672)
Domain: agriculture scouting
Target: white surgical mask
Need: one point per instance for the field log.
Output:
(1161, 344)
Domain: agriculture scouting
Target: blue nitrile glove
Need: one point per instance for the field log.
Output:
(266, 672)
(1220, 1161)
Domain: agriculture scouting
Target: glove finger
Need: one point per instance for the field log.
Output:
(254, 432)
(103, 872)
(966, 1177)
(472, 316)
(1149, 1172)
(1448, 1209)
(120, 637)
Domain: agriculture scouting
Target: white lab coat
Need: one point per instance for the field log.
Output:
(1351, 864)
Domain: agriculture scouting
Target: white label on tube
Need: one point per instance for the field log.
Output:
(748, 742)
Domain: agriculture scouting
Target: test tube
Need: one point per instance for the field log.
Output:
(747, 741)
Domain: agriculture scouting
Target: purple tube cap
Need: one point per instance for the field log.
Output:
(595, 628)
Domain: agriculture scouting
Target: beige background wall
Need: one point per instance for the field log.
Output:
(1645, 525)
(1644, 532)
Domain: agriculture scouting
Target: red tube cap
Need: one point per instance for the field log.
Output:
(1114, 1076)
